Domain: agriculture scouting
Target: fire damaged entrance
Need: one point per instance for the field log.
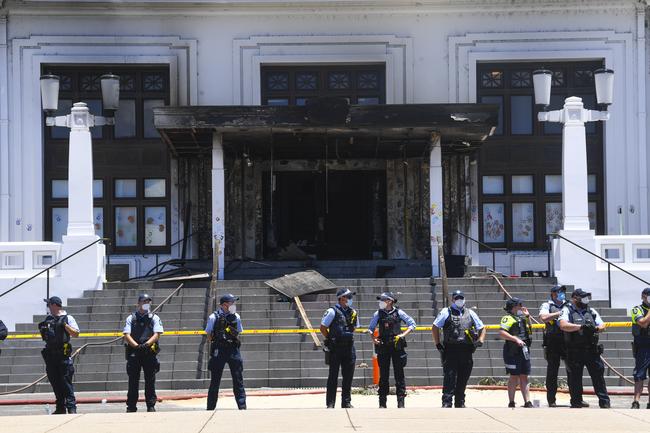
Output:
(325, 214)
(324, 181)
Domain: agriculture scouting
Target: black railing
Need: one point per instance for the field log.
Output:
(609, 265)
(487, 247)
(47, 270)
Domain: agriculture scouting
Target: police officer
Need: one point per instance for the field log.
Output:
(3, 332)
(56, 330)
(463, 331)
(581, 326)
(223, 330)
(337, 326)
(142, 332)
(554, 349)
(641, 345)
(390, 344)
(516, 331)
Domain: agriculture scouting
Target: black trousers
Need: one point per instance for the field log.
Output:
(384, 358)
(60, 371)
(457, 364)
(150, 365)
(218, 361)
(554, 353)
(343, 358)
(577, 360)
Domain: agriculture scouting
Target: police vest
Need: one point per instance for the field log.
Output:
(521, 329)
(141, 327)
(225, 332)
(389, 325)
(641, 335)
(57, 340)
(457, 326)
(552, 328)
(341, 330)
(581, 338)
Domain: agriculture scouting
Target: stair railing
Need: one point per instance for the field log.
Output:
(47, 270)
(493, 250)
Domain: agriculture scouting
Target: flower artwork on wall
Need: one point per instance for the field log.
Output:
(126, 228)
(523, 222)
(493, 231)
(553, 218)
(98, 221)
(155, 227)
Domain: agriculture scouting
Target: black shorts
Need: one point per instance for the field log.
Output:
(516, 364)
(641, 363)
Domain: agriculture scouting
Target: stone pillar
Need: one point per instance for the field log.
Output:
(435, 201)
(218, 203)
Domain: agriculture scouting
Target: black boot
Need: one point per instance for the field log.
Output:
(400, 402)
(382, 402)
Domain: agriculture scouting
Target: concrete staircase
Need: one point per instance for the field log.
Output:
(287, 360)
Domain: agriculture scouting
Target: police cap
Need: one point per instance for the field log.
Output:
(457, 294)
(512, 302)
(387, 296)
(646, 291)
(344, 292)
(228, 297)
(579, 293)
(54, 300)
(144, 297)
(558, 288)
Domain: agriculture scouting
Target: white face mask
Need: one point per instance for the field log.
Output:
(232, 309)
(460, 303)
(350, 302)
(146, 307)
(586, 300)
(520, 313)
(382, 305)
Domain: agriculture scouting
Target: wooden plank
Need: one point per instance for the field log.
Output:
(303, 314)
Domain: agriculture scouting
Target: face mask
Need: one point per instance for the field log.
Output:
(382, 305)
(232, 309)
(520, 313)
(586, 300)
(350, 302)
(146, 307)
(460, 303)
(561, 296)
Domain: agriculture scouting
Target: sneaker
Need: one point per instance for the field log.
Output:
(59, 412)
(460, 406)
(347, 406)
(131, 409)
(528, 405)
(400, 403)
(242, 407)
(72, 410)
(553, 404)
(151, 409)
(584, 404)
(446, 405)
(330, 405)
(635, 405)
(605, 405)
(512, 404)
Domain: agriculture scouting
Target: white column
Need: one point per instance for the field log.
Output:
(4, 134)
(435, 201)
(80, 176)
(218, 202)
(574, 167)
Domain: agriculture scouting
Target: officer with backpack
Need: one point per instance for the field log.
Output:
(390, 344)
(142, 331)
(641, 346)
(581, 325)
(337, 326)
(463, 332)
(553, 343)
(516, 331)
(223, 330)
(56, 330)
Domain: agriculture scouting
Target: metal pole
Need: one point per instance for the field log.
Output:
(494, 261)
(47, 290)
(548, 255)
(609, 284)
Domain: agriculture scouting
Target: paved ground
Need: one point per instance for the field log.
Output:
(280, 414)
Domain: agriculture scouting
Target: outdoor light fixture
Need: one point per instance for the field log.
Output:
(110, 91)
(542, 80)
(50, 93)
(604, 79)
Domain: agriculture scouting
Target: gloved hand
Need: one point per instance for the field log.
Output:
(588, 327)
(142, 348)
(396, 342)
(440, 347)
(478, 343)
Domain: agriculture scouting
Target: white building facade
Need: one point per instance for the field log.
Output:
(507, 194)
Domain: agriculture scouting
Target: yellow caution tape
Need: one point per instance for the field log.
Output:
(273, 331)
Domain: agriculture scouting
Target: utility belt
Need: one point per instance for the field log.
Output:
(339, 343)
(225, 344)
(577, 349)
(514, 350)
(390, 344)
(63, 351)
(553, 340)
(152, 350)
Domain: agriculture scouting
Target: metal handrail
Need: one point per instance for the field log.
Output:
(47, 270)
(493, 250)
(609, 265)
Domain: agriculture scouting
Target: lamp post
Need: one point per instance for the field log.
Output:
(573, 116)
(80, 158)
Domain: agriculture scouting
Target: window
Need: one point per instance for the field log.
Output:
(520, 166)
(295, 85)
(131, 163)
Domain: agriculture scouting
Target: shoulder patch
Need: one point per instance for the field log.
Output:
(505, 319)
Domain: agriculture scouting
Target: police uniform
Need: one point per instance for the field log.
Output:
(224, 328)
(641, 346)
(141, 327)
(517, 359)
(583, 350)
(59, 366)
(461, 328)
(341, 323)
(554, 346)
(388, 324)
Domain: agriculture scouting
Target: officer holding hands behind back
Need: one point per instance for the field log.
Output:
(223, 330)
(56, 330)
(142, 331)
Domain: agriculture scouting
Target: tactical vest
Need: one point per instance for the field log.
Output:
(552, 328)
(57, 340)
(457, 326)
(141, 327)
(225, 332)
(341, 330)
(389, 325)
(641, 335)
(520, 329)
(581, 338)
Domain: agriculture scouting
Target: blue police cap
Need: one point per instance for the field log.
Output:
(228, 297)
(558, 288)
(344, 292)
(144, 297)
(646, 291)
(512, 302)
(457, 294)
(54, 300)
(387, 296)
